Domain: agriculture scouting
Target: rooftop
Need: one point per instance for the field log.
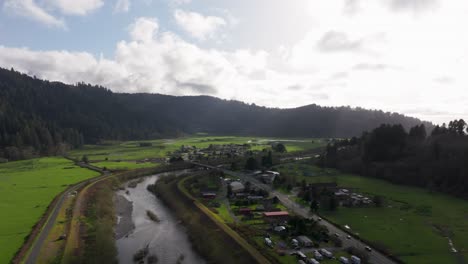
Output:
(279, 213)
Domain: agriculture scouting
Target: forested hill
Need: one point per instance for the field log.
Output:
(437, 161)
(38, 116)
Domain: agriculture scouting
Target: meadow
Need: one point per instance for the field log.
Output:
(413, 224)
(132, 151)
(124, 165)
(26, 189)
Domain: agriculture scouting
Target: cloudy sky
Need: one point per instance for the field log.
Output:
(408, 56)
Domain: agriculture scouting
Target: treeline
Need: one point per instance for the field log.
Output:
(437, 161)
(40, 117)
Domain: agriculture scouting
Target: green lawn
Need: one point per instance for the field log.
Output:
(410, 223)
(26, 189)
(224, 213)
(123, 165)
(130, 150)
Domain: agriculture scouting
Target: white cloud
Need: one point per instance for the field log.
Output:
(333, 41)
(180, 2)
(198, 26)
(29, 9)
(413, 5)
(122, 6)
(162, 62)
(76, 7)
(144, 29)
(365, 53)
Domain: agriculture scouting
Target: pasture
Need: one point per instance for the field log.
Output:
(26, 189)
(123, 165)
(413, 224)
(132, 150)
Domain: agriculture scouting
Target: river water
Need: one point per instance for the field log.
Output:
(166, 239)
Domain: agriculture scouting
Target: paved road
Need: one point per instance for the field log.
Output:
(35, 250)
(374, 256)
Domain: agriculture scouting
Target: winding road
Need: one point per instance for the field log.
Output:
(33, 253)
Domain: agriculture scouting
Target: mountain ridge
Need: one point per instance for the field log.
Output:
(34, 111)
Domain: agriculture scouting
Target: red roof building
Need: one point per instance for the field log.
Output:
(275, 217)
(276, 214)
(245, 211)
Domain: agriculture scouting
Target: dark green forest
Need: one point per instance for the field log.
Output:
(39, 117)
(437, 161)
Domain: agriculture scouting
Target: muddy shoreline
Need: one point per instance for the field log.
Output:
(123, 209)
(165, 239)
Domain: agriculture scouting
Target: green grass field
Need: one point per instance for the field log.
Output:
(410, 225)
(123, 165)
(130, 150)
(26, 189)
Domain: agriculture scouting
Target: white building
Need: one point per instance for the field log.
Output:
(237, 187)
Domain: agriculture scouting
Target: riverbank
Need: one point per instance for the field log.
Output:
(123, 209)
(208, 239)
(91, 237)
(163, 239)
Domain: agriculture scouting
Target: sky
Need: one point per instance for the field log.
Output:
(406, 56)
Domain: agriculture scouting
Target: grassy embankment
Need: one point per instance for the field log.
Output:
(413, 224)
(26, 190)
(52, 250)
(214, 240)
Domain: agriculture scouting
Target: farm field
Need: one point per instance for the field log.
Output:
(123, 165)
(26, 189)
(131, 150)
(413, 224)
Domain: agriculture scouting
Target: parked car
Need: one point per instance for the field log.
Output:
(317, 255)
(355, 260)
(268, 242)
(344, 260)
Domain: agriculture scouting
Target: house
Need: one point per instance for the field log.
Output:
(276, 216)
(254, 197)
(304, 241)
(245, 211)
(268, 177)
(241, 195)
(237, 187)
(260, 208)
(208, 195)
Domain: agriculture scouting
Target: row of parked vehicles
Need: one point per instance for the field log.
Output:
(322, 254)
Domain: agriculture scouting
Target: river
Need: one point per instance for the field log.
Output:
(167, 239)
